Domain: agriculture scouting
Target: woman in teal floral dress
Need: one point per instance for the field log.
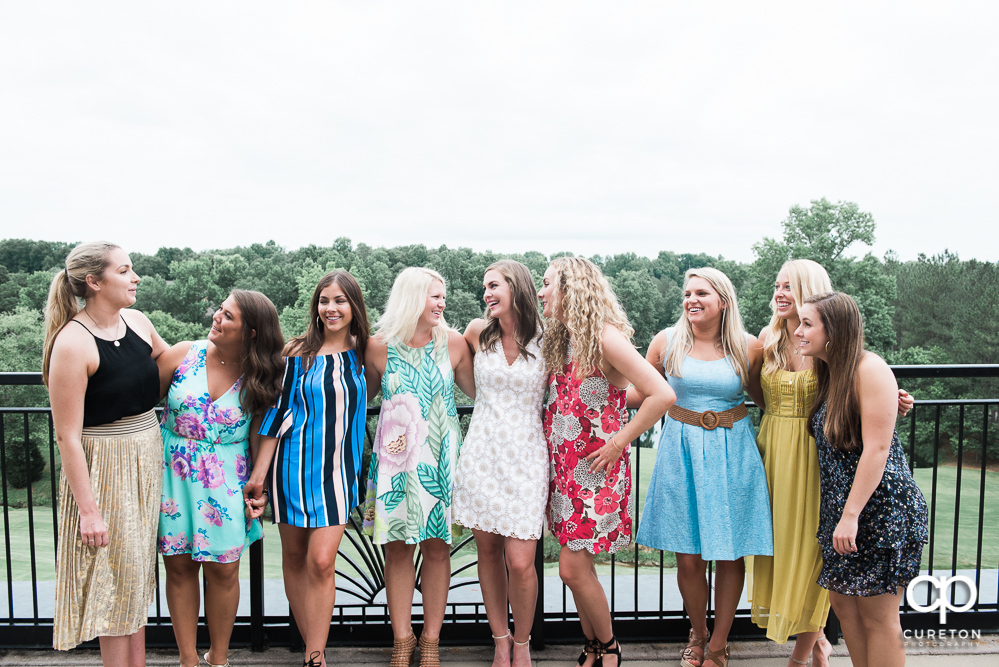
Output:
(217, 387)
(415, 358)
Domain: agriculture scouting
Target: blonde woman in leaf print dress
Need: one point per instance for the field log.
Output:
(416, 359)
(783, 590)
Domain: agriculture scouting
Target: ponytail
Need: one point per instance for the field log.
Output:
(68, 287)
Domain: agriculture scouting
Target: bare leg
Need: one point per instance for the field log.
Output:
(577, 571)
(730, 576)
(312, 553)
(435, 582)
(294, 568)
(221, 604)
(852, 625)
(523, 592)
(879, 615)
(493, 582)
(128, 650)
(400, 584)
(693, 584)
(183, 592)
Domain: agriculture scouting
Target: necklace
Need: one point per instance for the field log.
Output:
(114, 334)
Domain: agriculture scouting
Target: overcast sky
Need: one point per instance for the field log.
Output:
(593, 127)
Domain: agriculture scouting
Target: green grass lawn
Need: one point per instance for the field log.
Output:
(942, 556)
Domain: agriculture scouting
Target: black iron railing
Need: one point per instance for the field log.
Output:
(948, 442)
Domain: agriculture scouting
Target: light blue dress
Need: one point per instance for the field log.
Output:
(708, 493)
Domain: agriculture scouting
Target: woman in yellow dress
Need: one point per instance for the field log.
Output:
(783, 593)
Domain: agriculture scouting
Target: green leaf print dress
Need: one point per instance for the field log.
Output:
(415, 451)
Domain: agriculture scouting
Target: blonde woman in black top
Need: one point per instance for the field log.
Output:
(99, 367)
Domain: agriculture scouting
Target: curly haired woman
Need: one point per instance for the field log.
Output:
(587, 350)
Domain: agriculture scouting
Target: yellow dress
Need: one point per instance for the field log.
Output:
(782, 591)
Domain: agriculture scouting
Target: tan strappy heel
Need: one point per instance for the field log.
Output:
(694, 642)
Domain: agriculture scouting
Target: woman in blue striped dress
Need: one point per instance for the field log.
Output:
(315, 436)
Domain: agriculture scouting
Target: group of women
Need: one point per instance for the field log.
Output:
(250, 420)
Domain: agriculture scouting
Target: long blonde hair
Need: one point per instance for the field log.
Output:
(587, 302)
(807, 278)
(68, 287)
(405, 305)
(733, 334)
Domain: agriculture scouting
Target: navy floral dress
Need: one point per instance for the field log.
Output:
(891, 528)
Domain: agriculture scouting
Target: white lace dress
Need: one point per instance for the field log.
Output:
(501, 483)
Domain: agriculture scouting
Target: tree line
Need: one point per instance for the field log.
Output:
(936, 309)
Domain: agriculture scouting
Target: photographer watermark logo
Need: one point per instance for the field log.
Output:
(943, 586)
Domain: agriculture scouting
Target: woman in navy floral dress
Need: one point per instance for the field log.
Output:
(217, 388)
(872, 516)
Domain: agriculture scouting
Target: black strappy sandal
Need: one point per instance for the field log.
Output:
(315, 660)
(603, 649)
(589, 647)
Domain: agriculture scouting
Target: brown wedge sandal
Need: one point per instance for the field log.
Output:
(430, 652)
(402, 651)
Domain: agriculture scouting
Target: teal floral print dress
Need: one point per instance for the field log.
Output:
(415, 451)
(206, 462)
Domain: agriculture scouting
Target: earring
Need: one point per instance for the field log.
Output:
(827, 345)
(319, 322)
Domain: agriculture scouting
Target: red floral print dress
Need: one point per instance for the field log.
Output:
(586, 510)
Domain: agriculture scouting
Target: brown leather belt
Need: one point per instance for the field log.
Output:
(709, 419)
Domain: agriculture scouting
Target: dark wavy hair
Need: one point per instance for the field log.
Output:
(309, 343)
(523, 303)
(836, 378)
(263, 365)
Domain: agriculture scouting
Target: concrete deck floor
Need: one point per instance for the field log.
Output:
(744, 654)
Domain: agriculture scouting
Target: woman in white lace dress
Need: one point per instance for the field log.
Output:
(501, 483)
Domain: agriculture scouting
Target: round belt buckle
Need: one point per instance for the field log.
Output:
(713, 417)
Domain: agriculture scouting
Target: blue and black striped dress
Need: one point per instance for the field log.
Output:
(319, 422)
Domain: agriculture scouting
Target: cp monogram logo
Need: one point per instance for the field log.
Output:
(942, 584)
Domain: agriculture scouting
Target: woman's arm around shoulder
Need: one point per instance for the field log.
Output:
(375, 358)
(169, 362)
(461, 362)
(754, 387)
(657, 348)
(142, 326)
(877, 398)
(623, 358)
(472, 333)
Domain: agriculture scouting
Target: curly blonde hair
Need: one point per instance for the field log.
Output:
(586, 302)
(732, 336)
(807, 278)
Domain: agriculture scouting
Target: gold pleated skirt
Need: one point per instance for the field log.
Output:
(106, 592)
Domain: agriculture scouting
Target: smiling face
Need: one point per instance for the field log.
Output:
(435, 304)
(783, 298)
(227, 324)
(811, 333)
(333, 309)
(496, 294)
(118, 282)
(702, 303)
(548, 294)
